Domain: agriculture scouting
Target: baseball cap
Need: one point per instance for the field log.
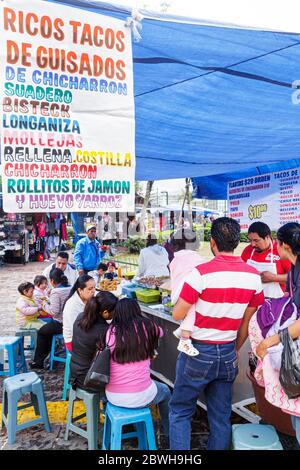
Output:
(90, 226)
(111, 263)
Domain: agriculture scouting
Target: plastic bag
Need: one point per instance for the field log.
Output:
(289, 375)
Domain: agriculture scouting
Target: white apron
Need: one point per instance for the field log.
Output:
(271, 289)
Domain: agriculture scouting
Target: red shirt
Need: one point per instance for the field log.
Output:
(221, 290)
(282, 266)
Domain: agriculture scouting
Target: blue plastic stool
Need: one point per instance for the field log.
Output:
(13, 345)
(32, 333)
(13, 389)
(117, 417)
(53, 357)
(67, 386)
(255, 437)
(92, 404)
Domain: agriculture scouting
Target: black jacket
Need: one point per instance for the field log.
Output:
(83, 349)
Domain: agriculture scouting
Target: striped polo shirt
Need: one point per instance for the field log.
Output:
(221, 290)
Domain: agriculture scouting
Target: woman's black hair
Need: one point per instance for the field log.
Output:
(290, 234)
(95, 307)
(136, 336)
(80, 283)
(102, 266)
(25, 286)
(151, 240)
(184, 239)
(39, 279)
(58, 276)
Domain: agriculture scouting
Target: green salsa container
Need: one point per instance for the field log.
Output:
(148, 296)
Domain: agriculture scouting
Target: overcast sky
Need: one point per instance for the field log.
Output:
(264, 14)
(172, 186)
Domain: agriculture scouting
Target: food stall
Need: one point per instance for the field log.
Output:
(164, 366)
(14, 246)
(30, 237)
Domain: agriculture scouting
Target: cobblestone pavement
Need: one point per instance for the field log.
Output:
(35, 438)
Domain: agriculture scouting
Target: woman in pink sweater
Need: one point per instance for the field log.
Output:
(184, 243)
(132, 339)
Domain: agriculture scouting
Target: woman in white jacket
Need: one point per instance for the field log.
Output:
(58, 296)
(153, 260)
(83, 289)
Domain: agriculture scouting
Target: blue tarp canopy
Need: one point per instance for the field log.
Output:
(215, 186)
(178, 208)
(210, 99)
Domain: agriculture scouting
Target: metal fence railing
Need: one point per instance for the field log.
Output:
(126, 262)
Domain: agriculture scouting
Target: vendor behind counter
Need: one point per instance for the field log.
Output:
(153, 260)
(263, 255)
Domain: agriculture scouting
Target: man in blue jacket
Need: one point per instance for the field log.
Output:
(88, 253)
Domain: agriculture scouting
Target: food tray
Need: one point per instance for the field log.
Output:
(108, 285)
(151, 282)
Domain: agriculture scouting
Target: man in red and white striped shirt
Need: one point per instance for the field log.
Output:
(226, 293)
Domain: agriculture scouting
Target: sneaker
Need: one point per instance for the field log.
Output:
(187, 347)
(177, 333)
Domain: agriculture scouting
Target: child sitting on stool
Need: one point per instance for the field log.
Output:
(27, 310)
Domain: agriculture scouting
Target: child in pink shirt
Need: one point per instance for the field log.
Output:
(185, 259)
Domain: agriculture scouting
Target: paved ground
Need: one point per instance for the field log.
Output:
(35, 437)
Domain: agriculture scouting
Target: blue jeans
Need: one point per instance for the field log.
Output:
(162, 399)
(213, 371)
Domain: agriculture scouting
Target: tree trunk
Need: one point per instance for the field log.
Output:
(187, 199)
(145, 205)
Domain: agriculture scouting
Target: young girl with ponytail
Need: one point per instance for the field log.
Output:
(88, 328)
(132, 339)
